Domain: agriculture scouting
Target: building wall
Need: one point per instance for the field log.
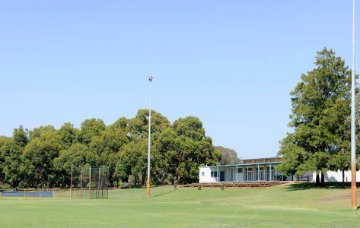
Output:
(248, 173)
(205, 175)
(336, 176)
(259, 169)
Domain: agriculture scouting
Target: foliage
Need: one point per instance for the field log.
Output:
(43, 157)
(228, 156)
(77, 155)
(69, 134)
(133, 161)
(185, 147)
(38, 158)
(90, 128)
(340, 161)
(320, 114)
(294, 156)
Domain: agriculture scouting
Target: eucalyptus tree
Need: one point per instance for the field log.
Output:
(73, 158)
(11, 150)
(69, 134)
(132, 162)
(138, 126)
(185, 147)
(107, 147)
(90, 128)
(38, 157)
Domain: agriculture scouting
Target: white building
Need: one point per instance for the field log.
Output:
(334, 176)
(262, 169)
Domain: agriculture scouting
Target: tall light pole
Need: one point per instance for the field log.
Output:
(149, 144)
(353, 144)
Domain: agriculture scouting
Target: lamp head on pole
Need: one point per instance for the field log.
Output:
(150, 78)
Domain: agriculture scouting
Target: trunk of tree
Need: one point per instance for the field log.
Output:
(343, 176)
(322, 180)
(317, 180)
(143, 179)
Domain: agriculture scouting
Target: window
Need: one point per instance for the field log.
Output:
(213, 174)
(203, 174)
(240, 170)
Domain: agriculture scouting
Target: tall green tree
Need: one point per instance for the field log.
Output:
(69, 134)
(185, 148)
(39, 155)
(107, 146)
(320, 109)
(6, 150)
(138, 126)
(90, 128)
(11, 150)
(75, 157)
(340, 161)
(132, 161)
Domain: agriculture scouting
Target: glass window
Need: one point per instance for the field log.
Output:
(240, 170)
(213, 174)
(202, 173)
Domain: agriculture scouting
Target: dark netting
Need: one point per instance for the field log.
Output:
(89, 182)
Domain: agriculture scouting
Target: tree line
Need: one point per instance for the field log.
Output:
(43, 157)
(320, 120)
(319, 140)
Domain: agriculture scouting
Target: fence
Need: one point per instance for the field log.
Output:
(26, 194)
(89, 182)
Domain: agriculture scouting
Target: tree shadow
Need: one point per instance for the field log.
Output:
(167, 192)
(328, 185)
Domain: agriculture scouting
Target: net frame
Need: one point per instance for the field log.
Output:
(89, 182)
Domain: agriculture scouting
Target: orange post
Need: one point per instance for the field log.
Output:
(353, 187)
(148, 188)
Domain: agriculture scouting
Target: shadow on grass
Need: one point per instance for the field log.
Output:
(167, 192)
(328, 185)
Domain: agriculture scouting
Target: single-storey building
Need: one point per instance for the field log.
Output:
(262, 169)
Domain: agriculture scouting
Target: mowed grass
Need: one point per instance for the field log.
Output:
(285, 205)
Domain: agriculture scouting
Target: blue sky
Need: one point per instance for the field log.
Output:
(230, 63)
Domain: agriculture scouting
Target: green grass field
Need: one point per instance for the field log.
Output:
(285, 205)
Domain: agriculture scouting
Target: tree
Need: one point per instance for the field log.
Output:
(228, 156)
(185, 148)
(107, 146)
(121, 123)
(318, 162)
(6, 150)
(132, 162)
(294, 156)
(69, 134)
(36, 133)
(340, 161)
(43, 157)
(11, 150)
(76, 156)
(320, 109)
(139, 125)
(90, 128)
(20, 136)
(38, 156)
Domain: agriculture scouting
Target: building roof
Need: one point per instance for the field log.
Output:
(255, 161)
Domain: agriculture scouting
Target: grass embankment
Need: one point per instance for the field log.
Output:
(279, 206)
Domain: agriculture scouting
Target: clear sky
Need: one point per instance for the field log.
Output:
(230, 63)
